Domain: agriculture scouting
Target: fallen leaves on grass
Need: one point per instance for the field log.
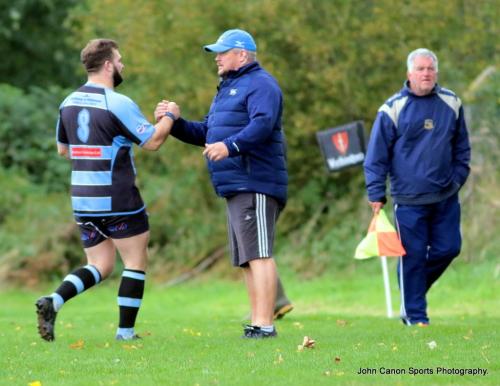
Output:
(469, 335)
(191, 332)
(432, 344)
(279, 360)
(298, 325)
(341, 322)
(306, 343)
(35, 383)
(329, 373)
(77, 345)
(130, 346)
(485, 347)
(337, 359)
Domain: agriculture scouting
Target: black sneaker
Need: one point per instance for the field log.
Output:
(255, 332)
(46, 318)
(421, 323)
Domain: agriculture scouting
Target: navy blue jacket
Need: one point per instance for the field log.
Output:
(422, 143)
(246, 115)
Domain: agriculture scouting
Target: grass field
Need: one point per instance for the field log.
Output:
(192, 335)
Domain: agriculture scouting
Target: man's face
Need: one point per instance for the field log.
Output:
(117, 68)
(423, 75)
(228, 61)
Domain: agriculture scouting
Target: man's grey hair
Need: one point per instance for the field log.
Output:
(251, 55)
(421, 52)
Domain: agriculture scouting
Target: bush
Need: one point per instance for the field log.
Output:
(27, 135)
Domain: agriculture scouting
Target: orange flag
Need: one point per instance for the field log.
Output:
(381, 240)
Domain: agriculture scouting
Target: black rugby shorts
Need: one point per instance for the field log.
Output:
(94, 230)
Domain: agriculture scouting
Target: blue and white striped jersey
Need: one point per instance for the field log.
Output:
(100, 126)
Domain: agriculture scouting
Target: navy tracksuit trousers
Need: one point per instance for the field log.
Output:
(431, 237)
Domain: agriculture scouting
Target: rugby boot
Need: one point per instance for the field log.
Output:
(46, 318)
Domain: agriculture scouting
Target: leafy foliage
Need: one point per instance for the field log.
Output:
(336, 61)
(481, 205)
(27, 135)
(33, 43)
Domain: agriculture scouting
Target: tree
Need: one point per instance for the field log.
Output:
(33, 43)
(337, 61)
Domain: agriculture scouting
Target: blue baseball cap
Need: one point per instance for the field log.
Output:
(233, 38)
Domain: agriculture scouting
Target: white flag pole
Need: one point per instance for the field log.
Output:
(387, 288)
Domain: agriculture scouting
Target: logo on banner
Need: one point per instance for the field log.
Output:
(341, 141)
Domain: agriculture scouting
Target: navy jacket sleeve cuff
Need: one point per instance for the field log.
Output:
(232, 147)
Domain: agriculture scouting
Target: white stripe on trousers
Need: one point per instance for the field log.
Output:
(260, 214)
(401, 281)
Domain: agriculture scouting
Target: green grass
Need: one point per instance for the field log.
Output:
(192, 335)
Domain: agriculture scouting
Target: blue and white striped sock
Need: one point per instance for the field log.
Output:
(130, 296)
(75, 283)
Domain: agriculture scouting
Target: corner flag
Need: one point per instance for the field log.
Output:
(381, 240)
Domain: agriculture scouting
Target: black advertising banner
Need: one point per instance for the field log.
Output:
(342, 146)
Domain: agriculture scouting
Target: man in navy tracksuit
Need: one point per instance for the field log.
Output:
(245, 153)
(420, 140)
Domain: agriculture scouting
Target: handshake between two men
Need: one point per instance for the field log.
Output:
(214, 152)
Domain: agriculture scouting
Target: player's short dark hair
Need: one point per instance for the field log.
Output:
(96, 52)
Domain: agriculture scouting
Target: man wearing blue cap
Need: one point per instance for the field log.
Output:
(244, 147)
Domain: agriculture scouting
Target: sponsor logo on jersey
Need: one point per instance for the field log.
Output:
(341, 141)
(86, 152)
(233, 91)
(141, 128)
